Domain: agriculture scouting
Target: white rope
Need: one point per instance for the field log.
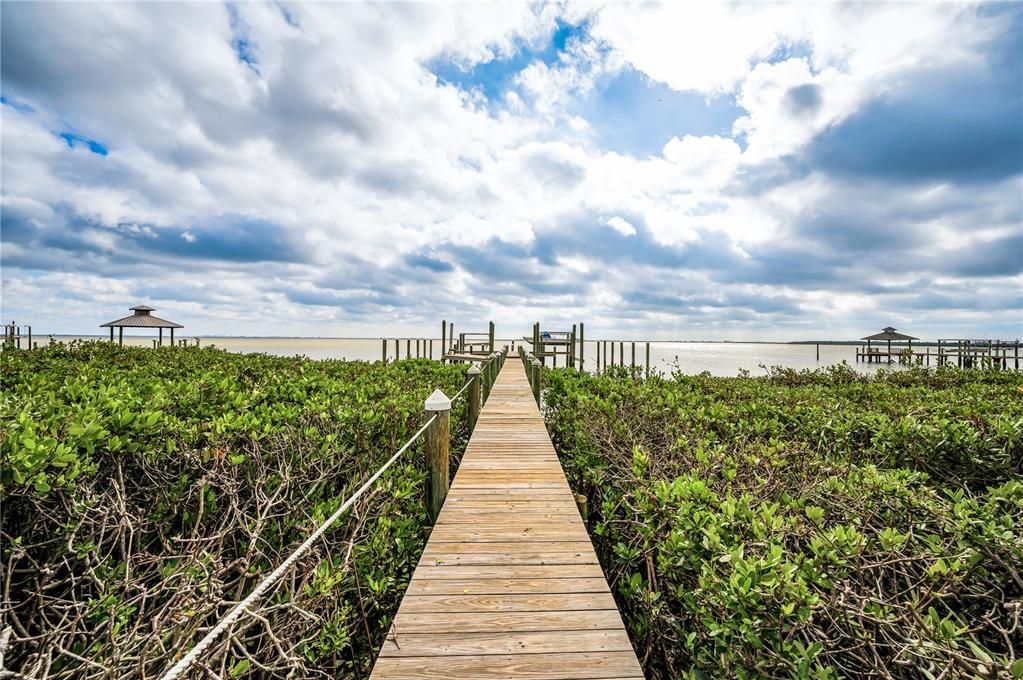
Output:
(186, 661)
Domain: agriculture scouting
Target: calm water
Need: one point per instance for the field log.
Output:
(724, 359)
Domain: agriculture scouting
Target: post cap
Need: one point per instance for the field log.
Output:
(474, 370)
(536, 362)
(438, 401)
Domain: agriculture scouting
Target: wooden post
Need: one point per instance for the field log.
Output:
(111, 334)
(383, 350)
(1016, 354)
(486, 374)
(491, 336)
(154, 343)
(120, 336)
(30, 337)
(598, 357)
(648, 359)
(437, 443)
(494, 369)
(632, 363)
(536, 341)
(536, 381)
(582, 347)
(474, 396)
(443, 339)
(583, 507)
(431, 348)
(408, 348)
(570, 358)
(397, 351)
(161, 335)
(621, 353)
(172, 337)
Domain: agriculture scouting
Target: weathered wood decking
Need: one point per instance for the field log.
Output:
(509, 585)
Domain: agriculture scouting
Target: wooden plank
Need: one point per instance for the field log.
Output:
(529, 571)
(505, 586)
(530, 555)
(505, 642)
(506, 547)
(511, 622)
(553, 666)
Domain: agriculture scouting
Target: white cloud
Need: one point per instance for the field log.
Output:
(620, 225)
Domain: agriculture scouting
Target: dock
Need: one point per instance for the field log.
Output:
(508, 585)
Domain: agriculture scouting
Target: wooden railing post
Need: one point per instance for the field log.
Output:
(437, 448)
(536, 381)
(582, 346)
(474, 395)
(383, 351)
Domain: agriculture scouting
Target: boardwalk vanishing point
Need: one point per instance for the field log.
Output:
(509, 585)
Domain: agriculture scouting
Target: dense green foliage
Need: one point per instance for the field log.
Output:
(144, 491)
(806, 524)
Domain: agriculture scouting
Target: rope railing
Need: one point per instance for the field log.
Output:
(257, 593)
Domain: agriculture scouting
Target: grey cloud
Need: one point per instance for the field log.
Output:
(803, 99)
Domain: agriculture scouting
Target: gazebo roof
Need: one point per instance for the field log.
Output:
(889, 333)
(141, 319)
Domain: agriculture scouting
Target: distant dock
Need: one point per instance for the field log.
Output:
(961, 352)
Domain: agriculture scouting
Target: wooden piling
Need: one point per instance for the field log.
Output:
(818, 351)
(431, 348)
(598, 357)
(397, 352)
(621, 353)
(437, 451)
(443, 338)
(474, 395)
(648, 360)
(582, 346)
(632, 363)
(570, 356)
(583, 507)
(536, 381)
(491, 336)
(383, 351)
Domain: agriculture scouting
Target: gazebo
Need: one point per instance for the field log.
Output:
(888, 333)
(142, 318)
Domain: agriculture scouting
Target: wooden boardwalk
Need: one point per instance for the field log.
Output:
(509, 585)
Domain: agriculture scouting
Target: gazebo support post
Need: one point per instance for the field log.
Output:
(172, 337)
(111, 335)
(120, 336)
(160, 341)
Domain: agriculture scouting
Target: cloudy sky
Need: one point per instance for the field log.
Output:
(687, 170)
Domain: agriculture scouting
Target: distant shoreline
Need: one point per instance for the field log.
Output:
(846, 343)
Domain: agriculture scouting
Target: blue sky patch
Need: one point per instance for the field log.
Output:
(74, 140)
(634, 115)
(494, 77)
(240, 42)
(17, 106)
